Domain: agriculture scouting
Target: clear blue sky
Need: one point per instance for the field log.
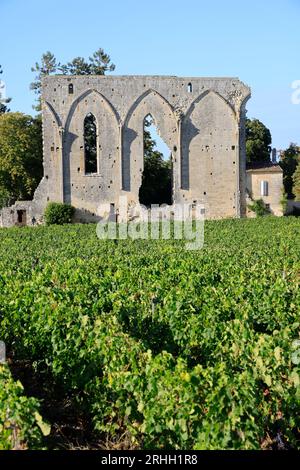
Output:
(257, 41)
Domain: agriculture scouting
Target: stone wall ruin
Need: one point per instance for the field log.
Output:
(202, 120)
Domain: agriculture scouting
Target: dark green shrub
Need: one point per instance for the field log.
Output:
(58, 214)
(260, 208)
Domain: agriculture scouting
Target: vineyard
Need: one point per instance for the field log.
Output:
(156, 346)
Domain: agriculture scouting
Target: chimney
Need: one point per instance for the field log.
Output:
(274, 155)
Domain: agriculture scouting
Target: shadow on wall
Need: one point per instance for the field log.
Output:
(68, 142)
(129, 137)
(83, 216)
(190, 132)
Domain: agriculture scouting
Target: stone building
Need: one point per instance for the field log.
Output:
(202, 120)
(265, 181)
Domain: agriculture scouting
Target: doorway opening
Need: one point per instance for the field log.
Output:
(21, 216)
(156, 187)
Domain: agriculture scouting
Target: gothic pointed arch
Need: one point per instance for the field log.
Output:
(54, 113)
(144, 96)
(153, 103)
(101, 99)
(210, 155)
(102, 159)
(201, 96)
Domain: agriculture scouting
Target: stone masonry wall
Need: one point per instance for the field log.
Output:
(275, 189)
(200, 119)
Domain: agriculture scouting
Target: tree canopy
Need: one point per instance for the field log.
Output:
(156, 185)
(21, 154)
(290, 160)
(258, 141)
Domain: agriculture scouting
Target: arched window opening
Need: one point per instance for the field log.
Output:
(156, 187)
(71, 89)
(90, 144)
(190, 88)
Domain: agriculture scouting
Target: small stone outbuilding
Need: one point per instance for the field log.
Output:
(265, 181)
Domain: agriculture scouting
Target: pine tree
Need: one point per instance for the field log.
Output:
(47, 66)
(98, 64)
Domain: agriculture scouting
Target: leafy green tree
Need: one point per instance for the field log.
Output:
(5, 197)
(156, 185)
(258, 141)
(290, 159)
(98, 64)
(21, 156)
(296, 181)
(3, 101)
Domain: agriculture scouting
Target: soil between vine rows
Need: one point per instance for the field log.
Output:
(71, 428)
